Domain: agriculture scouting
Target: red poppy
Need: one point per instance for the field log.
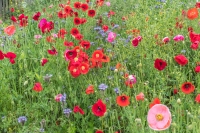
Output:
(99, 108)
(23, 22)
(53, 51)
(99, 2)
(123, 100)
(155, 101)
(197, 99)
(195, 45)
(89, 90)
(192, 13)
(99, 131)
(181, 60)
(84, 68)
(97, 55)
(85, 44)
(194, 37)
(75, 14)
(71, 54)
(160, 64)
(187, 87)
(62, 14)
(77, 21)
(77, 5)
(84, 7)
(74, 31)
(95, 63)
(13, 18)
(91, 13)
(105, 28)
(22, 16)
(1, 55)
(36, 16)
(44, 61)
(10, 30)
(105, 58)
(197, 69)
(77, 109)
(11, 56)
(37, 87)
(77, 49)
(79, 37)
(12, 9)
(135, 42)
(175, 91)
(68, 44)
(74, 71)
(140, 97)
(83, 20)
(62, 33)
(197, 5)
(68, 9)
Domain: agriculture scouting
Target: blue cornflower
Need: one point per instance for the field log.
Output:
(63, 98)
(116, 90)
(103, 87)
(22, 119)
(67, 111)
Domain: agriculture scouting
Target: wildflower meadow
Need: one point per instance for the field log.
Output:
(100, 66)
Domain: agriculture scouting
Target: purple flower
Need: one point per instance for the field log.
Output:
(63, 98)
(67, 111)
(103, 87)
(116, 90)
(22, 119)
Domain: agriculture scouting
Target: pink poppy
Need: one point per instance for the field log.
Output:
(111, 37)
(165, 40)
(58, 97)
(159, 117)
(178, 38)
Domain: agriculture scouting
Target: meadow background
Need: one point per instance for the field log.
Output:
(152, 18)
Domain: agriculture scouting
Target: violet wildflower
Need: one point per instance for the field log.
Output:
(22, 119)
(116, 90)
(103, 87)
(67, 111)
(63, 98)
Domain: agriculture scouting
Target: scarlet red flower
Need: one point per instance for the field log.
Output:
(194, 37)
(91, 13)
(12, 9)
(85, 44)
(195, 45)
(37, 87)
(62, 33)
(74, 71)
(99, 108)
(105, 58)
(192, 13)
(187, 87)
(77, 5)
(74, 31)
(160, 64)
(77, 109)
(84, 68)
(181, 60)
(135, 42)
(197, 99)
(155, 101)
(44, 61)
(140, 97)
(99, 131)
(79, 37)
(77, 21)
(175, 91)
(70, 54)
(53, 51)
(36, 16)
(97, 55)
(68, 9)
(83, 20)
(68, 44)
(197, 69)
(84, 7)
(11, 56)
(90, 89)
(13, 18)
(105, 28)
(62, 14)
(1, 55)
(10, 30)
(123, 100)
(197, 5)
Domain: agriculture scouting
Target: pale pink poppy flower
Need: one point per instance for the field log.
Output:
(140, 97)
(58, 97)
(132, 79)
(107, 3)
(51, 6)
(165, 40)
(139, 38)
(159, 117)
(178, 38)
(37, 36)
(54, 35)
(111, 37)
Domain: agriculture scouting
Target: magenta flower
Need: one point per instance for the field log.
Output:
(165, 40)
(178, 38)
(159, 117)
(111, 37)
